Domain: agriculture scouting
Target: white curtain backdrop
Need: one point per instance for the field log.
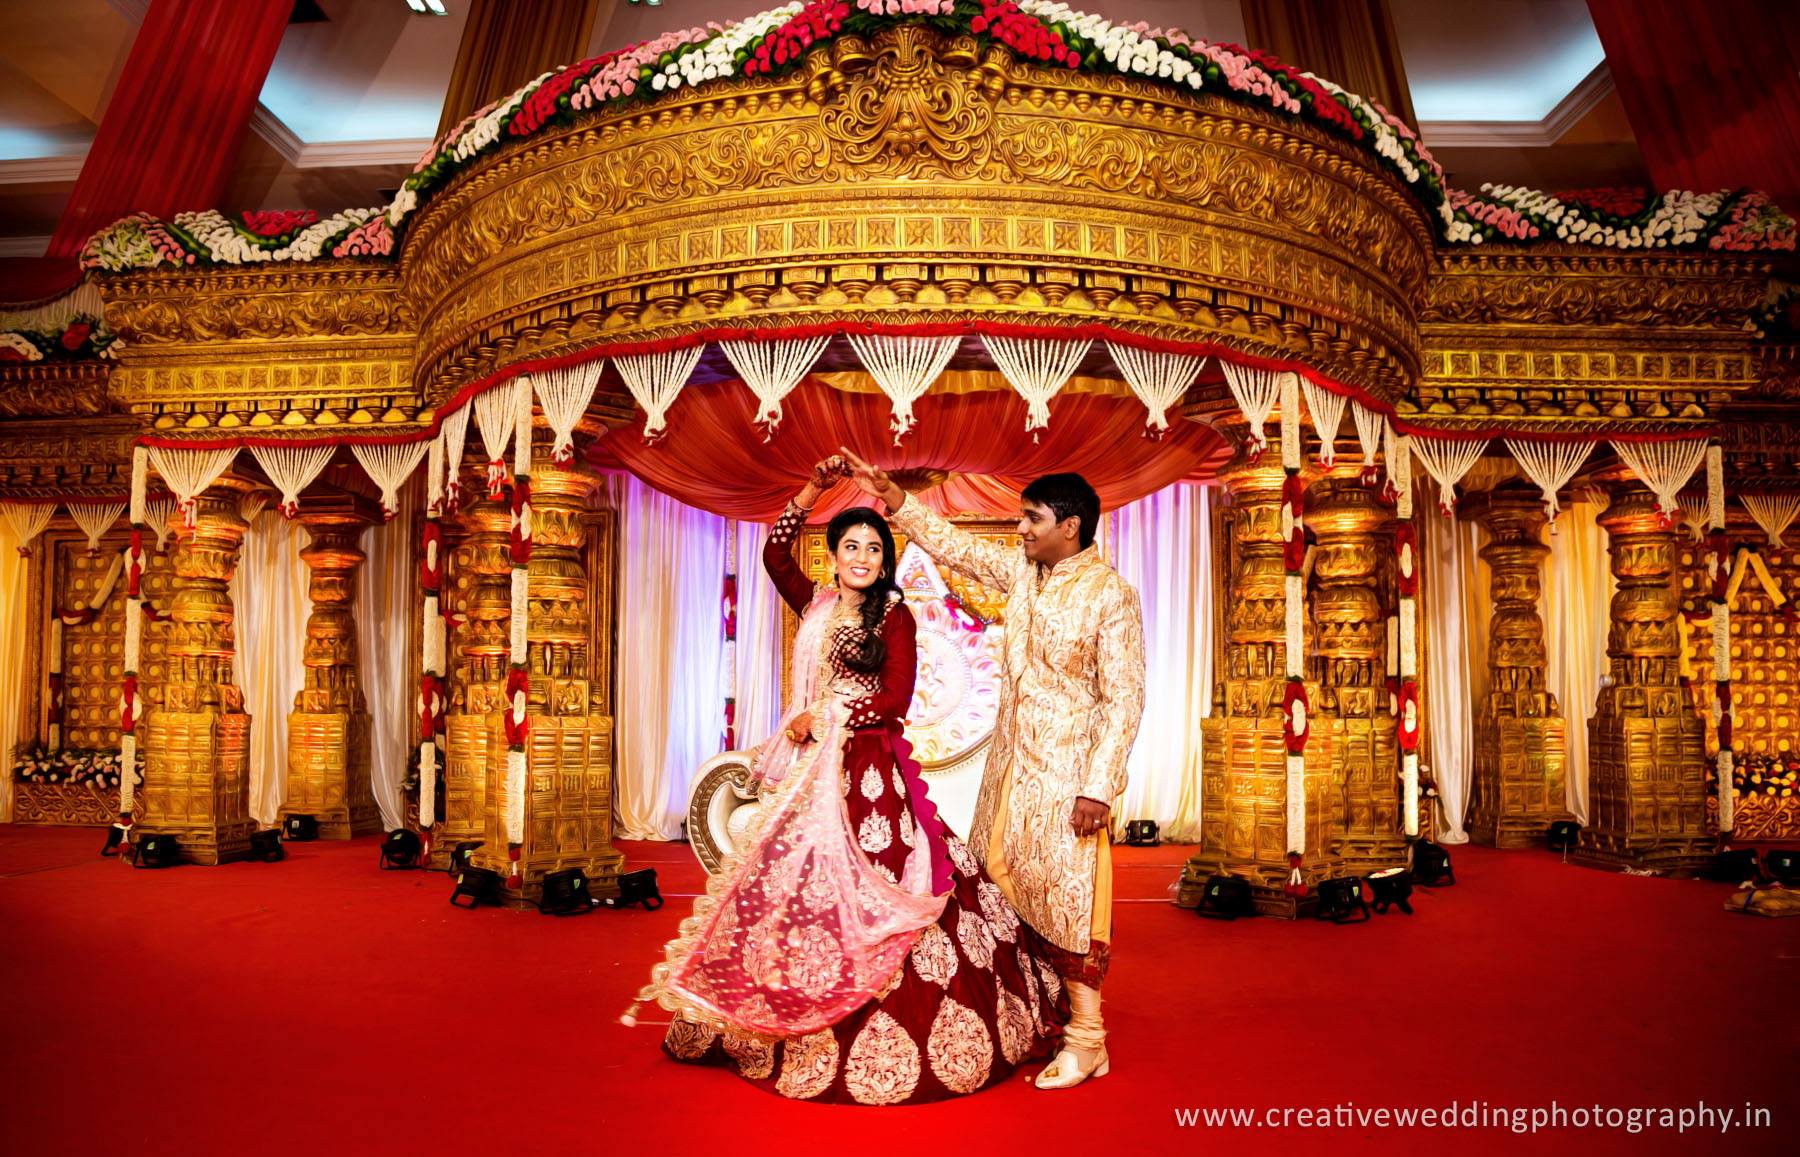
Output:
(1578, 590)
(385, 629)
(15, 627)
(268, 592)
(1162, 545)
(671, 647)
(1453, 630)
(759, 619)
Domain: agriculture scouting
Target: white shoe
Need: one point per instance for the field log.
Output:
(1066, 1071)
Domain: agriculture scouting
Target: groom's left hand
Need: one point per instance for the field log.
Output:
(1088, 816)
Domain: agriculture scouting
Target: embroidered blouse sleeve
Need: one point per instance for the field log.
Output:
(888, 706)
(795, 588)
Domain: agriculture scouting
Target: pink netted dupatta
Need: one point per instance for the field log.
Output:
(797, 930)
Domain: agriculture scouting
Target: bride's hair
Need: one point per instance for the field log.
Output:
(872, 652)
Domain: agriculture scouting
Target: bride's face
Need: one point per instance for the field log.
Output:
(858, 558)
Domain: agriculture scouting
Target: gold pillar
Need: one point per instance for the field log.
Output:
(196, 745)
(1351, 528)
(1647, 764)
(568, 777)
(1520, 742)
(1243, 826)
(481, 593)
(328, 730)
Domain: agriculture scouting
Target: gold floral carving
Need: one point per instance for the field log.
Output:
(908, 104)
(959, 1048)
(62, 388)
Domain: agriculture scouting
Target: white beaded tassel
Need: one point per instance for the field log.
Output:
(655, 380)
(292, 469)
(1159, 379)
(1327, 410)
(1774, 513)
(389, 467)
(455, 431)
(1447, 460)
(563, 394)
(494, 411)
(1036, 367)
(27, 520)
(1370, 427)
(771, 370)
(1256, 391)
(1550, 465)
(904, 368)
(95, 519)
(188, 473)
(159, 514)
(1664, 467)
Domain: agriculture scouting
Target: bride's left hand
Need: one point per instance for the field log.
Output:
(800, 729)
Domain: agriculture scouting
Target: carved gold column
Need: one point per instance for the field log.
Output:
(196, 745)
(1351, 528)
(1647, 763)
(482, 596)
(1520, 743)
(568, 778)
(328, 730)
(1243, 827)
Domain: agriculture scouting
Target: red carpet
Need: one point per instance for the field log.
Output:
(321, 1006)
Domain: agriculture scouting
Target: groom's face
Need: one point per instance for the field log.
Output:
(1046, 540)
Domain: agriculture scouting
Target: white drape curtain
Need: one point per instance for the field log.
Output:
(1578, 590)
(15, 628)
(1454, 633)
(671, 649)
(1163, 546)
(268, 594)
(759, 643)
(385, 629)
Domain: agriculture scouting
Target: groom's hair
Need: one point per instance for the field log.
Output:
(1068, 496)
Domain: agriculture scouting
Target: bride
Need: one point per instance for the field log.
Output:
(852, 950)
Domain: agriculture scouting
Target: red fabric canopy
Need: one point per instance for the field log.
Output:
(713, 456)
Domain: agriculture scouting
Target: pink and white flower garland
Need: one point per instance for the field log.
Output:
(515, 718)
(1718, 568)
(433, 690)
(1296, 726)
(1403, 629)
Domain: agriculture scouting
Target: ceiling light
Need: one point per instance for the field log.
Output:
(427, 7)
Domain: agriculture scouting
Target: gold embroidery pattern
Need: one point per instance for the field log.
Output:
(1052, 982)
(905, 827)
(899, 784)
(815, 960)
(959, 855)
(763, 950)
(933, 956)
(871, 783)
(875, 835)
(817, 893)
(1014, 1023)
(1000, 915)
(719, 946)
(689, 1041)
(755, 1057)
(960, 1050)
(883, 1068)
(1033, 992)
(808, 1065)
(977, 942)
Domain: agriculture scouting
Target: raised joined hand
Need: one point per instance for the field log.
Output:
(873, 480)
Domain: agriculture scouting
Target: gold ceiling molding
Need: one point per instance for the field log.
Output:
(55, 458)
(43, 389)
(1555, 286)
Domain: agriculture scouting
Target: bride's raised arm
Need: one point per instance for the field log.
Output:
(790, 580)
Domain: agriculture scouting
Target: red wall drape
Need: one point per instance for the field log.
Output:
(170, 135)
(1712, 90)
(713, 456)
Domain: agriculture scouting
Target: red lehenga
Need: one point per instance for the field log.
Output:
(852, 950)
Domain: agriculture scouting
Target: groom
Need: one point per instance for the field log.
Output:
(1069, 711)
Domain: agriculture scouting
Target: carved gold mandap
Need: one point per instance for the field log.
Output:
(907, 205)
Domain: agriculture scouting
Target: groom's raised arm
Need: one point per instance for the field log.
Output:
(986, 562)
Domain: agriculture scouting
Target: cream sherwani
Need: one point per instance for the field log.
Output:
(1069, 712)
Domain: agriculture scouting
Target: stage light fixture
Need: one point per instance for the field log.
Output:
(1562, 835)
(1341, 901)
(265, 846)
(461, 855)
(478, 886)
(300, 828)
(1782, 865)
(159, 851)
(428, 7)
(1431, 865)
(1391, 888)
(1734, 867)
(1141, 834)
(566, 894)
(637, 887)
(400, 851)
(116, 843)
(1225, 898)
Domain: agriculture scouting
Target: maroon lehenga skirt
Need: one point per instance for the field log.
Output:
(975, 997)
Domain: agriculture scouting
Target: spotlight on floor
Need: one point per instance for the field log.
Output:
(116, 842)
(265, 846)
(478, 886)
(637, 887)
(1225, 898)
(1391, 888)
(1341, 901)
(1141, 834)
(460, 856)
(1431, 865)
(400, 851)
(1562, 835)
(300, 828)
(160, 851)
(1783, 866)
(566, 894)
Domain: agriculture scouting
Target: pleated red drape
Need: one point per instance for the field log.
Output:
(170, 135)
(1712, 90)
(713, 456)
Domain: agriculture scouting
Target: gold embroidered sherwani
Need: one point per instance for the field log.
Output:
(1069, 712)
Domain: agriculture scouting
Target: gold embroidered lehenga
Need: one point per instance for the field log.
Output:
(853, 950)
